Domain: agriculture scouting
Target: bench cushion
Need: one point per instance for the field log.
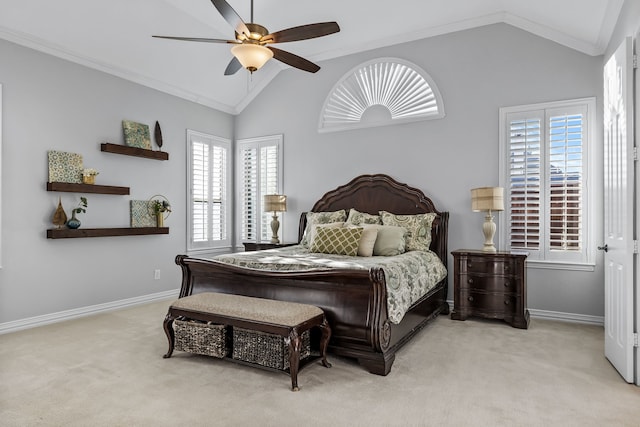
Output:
(255, 309)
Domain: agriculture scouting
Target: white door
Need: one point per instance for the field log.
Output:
(619, 210)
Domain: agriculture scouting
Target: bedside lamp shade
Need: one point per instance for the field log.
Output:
(488, 199)
(275, 203)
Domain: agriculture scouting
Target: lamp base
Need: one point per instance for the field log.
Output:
(489, 230)
(275, 225)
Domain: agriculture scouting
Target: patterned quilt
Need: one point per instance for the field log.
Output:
(409, 276)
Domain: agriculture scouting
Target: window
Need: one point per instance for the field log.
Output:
(259, 172)
(378, 93)
(545, 172)
(209, 205)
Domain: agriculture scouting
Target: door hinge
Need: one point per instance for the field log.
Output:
(635, 246)
(635, 154)
(635, 339)
(635, 61)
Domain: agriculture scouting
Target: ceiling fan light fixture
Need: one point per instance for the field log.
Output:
(251, 56)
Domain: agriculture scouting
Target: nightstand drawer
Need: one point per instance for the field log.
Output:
(488, 266)
(489, 303)
(495, 284)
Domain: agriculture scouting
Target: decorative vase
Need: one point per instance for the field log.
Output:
(160, 219)
(73, 222)
(59, 216)
(89, 179)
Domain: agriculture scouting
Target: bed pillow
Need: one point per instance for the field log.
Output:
(418, 237)
(360, 218)
(336, 240)
(315, 218)
(367, 241)
(390, 240)
(314, 229)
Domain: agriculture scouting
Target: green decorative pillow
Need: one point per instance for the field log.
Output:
(418, 228)
(337, 240)
(360, 218)
(390, 240)
(315, 218)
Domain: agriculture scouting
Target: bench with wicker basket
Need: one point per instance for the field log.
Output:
(269, 333)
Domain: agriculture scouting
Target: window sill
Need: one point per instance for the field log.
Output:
(559, 265)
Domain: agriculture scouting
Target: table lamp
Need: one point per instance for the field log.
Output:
(275, 203)
(488, 199)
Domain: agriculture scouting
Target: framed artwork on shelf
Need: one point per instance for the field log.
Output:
(141, 213)
(65, 167)
(136, 134)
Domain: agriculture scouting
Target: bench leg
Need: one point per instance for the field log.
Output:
(324, 341)
(168, 329)
(294, 357)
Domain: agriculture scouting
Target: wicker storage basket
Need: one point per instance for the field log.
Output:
(266, 349)
(201, 338)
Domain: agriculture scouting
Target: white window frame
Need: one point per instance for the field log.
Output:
(210, 244)
(0, 176)
(257, 143)
(583, 260)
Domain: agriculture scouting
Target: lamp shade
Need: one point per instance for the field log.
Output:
(487, 199)
(251, 56)
(275, 203)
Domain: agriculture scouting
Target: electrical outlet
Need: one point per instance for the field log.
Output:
(156, 274)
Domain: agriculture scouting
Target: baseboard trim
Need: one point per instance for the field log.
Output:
(560, 316)
(60, 316)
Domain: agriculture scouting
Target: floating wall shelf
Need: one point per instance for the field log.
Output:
(67, 233)
(86, 188)
(133, 151)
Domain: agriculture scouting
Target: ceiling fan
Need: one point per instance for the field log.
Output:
(251, 48)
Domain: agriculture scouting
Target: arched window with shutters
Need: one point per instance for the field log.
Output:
(378, 93)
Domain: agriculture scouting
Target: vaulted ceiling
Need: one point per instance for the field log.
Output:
(115, 36)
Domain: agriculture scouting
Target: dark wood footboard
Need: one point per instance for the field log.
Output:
(353, 301)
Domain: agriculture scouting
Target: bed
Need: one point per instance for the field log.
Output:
(354, 300)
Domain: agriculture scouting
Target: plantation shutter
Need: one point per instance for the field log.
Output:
(525, 171)
(565, 181)
(208, 195)
(260, 173)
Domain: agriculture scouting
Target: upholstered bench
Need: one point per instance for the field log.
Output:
(286, 319)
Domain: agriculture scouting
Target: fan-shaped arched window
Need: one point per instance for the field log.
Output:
(381, 92)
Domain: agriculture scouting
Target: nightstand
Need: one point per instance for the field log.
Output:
(260, 246)
(492, 285)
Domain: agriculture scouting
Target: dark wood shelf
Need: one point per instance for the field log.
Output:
(67, 233)
(70, 187)
(133, 151)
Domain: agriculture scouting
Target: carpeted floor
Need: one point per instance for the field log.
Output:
(108, 370)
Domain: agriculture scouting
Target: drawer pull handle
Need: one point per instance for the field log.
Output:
(506, 284)
(470, 281)
(470, 298)
(506, 268)
(506, 302)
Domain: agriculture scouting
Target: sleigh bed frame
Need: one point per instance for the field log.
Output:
(354, 300)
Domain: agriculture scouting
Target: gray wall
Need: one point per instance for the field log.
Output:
(52, 104)
(477, 71)
(627, 26)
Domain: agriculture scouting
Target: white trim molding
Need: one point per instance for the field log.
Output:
(77, 313)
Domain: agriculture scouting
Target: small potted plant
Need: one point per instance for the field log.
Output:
(159, 208)
(81, 208)
(89, 176)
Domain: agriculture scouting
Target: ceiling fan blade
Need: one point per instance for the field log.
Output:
(231, 16)
(303, 32)
(196, 39)
(233, 67)
(293, 60)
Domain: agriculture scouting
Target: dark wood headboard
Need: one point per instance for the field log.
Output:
(373, 193)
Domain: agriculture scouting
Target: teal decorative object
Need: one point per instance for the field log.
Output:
(136, 134)
(74, 222)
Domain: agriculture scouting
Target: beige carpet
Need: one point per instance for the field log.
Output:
(108, 370)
